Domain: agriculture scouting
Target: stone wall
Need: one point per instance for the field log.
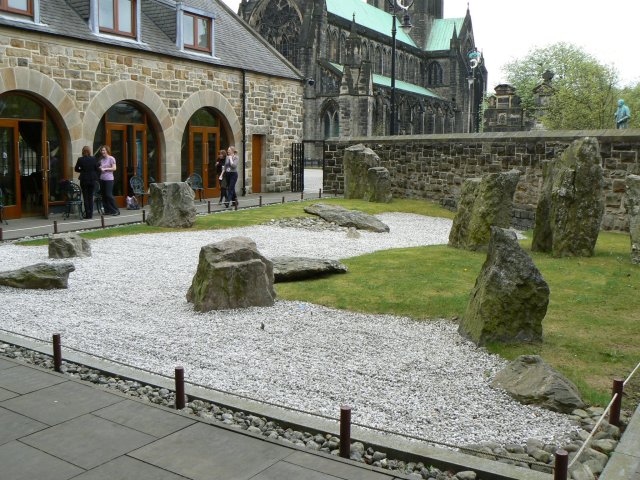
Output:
(80, 81)
(434, 166)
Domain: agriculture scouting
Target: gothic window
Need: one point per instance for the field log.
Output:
(333, 47)
(117, 17)
(279, 21)
(365, 52)
(379, 61)
(343, 49)
(434, 74)
(196, 32)
(331, 122)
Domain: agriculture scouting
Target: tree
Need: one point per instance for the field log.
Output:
(584, 90)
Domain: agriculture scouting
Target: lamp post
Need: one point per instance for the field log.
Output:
(475, 59)
(406, 26)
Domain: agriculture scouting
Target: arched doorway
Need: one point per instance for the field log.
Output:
(32, 162)
(202, 139)
(127, 131)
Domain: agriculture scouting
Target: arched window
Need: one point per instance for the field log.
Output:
(331, 121)
(378, 63)
(333, 47)
(434, 74)
(343, 49)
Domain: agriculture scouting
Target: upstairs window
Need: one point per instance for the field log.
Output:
(196, 32)
(21, 7)
(117, 17)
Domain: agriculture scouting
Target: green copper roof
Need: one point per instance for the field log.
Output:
(405, 86)
(368, 16)
(442, 33)
(400, 85)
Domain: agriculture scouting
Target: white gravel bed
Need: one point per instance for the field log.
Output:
(127, 302)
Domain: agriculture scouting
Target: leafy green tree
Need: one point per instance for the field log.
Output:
(584, 90)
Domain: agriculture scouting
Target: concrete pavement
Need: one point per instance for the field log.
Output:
(56, 428)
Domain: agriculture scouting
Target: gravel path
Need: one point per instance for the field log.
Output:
(127, 302)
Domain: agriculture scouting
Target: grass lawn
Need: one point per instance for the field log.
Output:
(592, 326)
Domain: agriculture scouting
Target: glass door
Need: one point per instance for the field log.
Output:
(117, 141)
(204, 143)
(9, 172)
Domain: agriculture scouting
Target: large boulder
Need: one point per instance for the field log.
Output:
(632, 204)
(510, 297)
(531, 381)
(68, 245)
(45, 276)
(171, 205)
(484, 203)
(347, 218)
(232, 274)
(571, 204)
(287, 269)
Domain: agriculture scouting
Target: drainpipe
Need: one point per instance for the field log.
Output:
(244, 132)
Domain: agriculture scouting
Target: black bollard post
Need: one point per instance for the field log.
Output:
(208, 206)
(260, 201)
(179, 377)
(560, 468)
(57, 352)
(144, 216)
(283, 199)
(55, 226)
(1, 237)
(345, 431)
(614, 413)
(301, 195)
(320, 193)
(102, 221)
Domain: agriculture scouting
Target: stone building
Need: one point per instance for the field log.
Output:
(343, 48)
(503, 112)
(165, 84)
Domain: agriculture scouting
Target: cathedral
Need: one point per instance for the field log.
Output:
(343, 48)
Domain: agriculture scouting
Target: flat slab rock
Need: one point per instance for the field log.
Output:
(287, 269)
(45, 276)
(347, 218)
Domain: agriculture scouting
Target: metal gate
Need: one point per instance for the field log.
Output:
(297, 167)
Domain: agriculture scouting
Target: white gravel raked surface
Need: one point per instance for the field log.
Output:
(127, 302)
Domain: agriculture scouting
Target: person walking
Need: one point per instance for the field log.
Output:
(89, 169)
(222, 181)
(107, 167)
(231, 172)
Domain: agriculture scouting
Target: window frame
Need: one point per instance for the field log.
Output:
(29, 12)
(195, 17)
(116, 30)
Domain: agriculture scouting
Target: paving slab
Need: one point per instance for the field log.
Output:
(201, 453)
(88, 441)
(144, 418)
(22, 379)
(15, 426)
(61, 402)
(6, 394)
(127, 468)
(6, 364)
(22, 462)
(334, 467)
(282, 470)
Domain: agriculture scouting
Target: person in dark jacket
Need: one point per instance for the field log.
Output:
(89, 169)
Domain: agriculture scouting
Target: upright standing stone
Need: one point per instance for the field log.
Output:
(510, 297)
(68, 245)
(571, 203)
(232, 274)
(484, 203)
(171, 205)
(632, 204)
(364, 178)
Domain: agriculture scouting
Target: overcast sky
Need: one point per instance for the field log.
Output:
(508, 29)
